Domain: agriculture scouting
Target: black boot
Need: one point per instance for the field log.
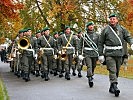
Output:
(19, 74)
(60, 74)
(37, 73)
(74, 74)
(116, 90)
(111, 89)
(55, 72)
(79, 74)
(46, 77)
(90, 81)
(42, 74)
(67, 76)
(27, 78)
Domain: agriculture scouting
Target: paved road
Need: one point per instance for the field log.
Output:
(60, 89)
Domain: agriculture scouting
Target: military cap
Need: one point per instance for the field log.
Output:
(46, 28)
(113, 15)
(89, 23)
(55, 33)
(24, 30)
(21, 31)
(67, 27)
(60, 33)
(38, 32)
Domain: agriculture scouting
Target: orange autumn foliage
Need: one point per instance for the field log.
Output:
(8, 8)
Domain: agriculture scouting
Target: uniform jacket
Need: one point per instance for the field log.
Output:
(108, 38)
(94, 37)
(62, 42)
(43, 44)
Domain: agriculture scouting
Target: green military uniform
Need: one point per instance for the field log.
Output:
(47, 45)
(90, 51)
(111, 42)
(28, 57)
(56, 61)
(70, 50)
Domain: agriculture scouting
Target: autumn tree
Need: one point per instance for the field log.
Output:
(9, 17)
(126, 9)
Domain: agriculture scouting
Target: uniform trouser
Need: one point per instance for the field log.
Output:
(55, 64)
(47, 63)
(60, 65)
(68, 63)
(113, 66)
(37, 66)
(27, 63)
(91, 65)
(78, 64)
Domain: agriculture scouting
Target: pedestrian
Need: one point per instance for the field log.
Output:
(111, 40)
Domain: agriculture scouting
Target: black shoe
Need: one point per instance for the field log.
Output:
(61, 75)
(42, 76)
(90, 81)
(79, 75)
(116, 90)
(51, 72)
(46, 77)
(111, 89)
(74, 74)
(55, 73)
(37, 73)
(19, 74)
(67, 76)
(27, 78)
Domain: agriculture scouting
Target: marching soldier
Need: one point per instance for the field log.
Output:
(19, 67)
(28, 54)
(56, 60)
(37, 62)
(112, 39)
(46, 45)
(88, 43)
(68, 46)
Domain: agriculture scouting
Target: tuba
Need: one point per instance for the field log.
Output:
(23, 43)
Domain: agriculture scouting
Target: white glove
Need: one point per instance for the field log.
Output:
(55, 56)
(35, 56)
(81, 57)
(132, 46)
(74, 55)
(101, 59)
(59, 52)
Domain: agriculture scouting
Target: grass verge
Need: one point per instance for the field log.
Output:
(3, 91)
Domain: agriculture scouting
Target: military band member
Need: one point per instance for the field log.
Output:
(56, 60)
(37, 62)
(47, 46)
(29, 54)
(68, 45)
(89, 42)
(112, 39)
